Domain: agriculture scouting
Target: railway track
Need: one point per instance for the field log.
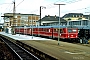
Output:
(25, 52)
(19, 52)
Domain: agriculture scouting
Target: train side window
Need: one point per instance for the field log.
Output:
(40, 29)
(61, 31)
(55, 30)
(49, 30)
(43, 29)
(33, 29)
(46, 30)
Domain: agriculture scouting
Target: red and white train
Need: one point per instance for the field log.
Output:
(49, 31)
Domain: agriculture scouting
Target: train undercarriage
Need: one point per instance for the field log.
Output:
(84, 36)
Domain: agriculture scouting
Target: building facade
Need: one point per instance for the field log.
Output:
(20, 19)
(1, 27)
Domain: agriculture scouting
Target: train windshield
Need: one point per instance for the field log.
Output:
(72, 30)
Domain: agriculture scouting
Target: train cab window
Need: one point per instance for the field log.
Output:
(72, 30)
(69, 30)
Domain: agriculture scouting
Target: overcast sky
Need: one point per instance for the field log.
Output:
(33, 7)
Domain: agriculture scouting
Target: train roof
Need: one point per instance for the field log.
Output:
(69, 26)
(82, 27)
(42, 26)
(86, 27)
(78, 20)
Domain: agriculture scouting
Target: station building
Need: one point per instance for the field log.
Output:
(19, 19)
(76, 16)
(52, 20)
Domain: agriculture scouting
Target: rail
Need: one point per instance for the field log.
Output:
(40, 54)
(19, 52)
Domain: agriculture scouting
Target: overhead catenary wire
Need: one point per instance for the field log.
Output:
(51, 5)
(87, 8)
(8, 7)
(18, 5)
(64, 1)
(4, 3)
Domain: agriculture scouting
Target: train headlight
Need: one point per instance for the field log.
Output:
(68, 36)
(76, 36)
(60, 34)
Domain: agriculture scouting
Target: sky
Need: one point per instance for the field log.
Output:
(33, 7)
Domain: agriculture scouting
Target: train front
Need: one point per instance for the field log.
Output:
(72, 33)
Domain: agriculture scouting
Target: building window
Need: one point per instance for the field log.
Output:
(34, 21)
(30, 21)
(82, 15)
(79, 16)
(7, 24)
(76, 15)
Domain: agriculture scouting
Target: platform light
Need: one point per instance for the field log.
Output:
(59, 23)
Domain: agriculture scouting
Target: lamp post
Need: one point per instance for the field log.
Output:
(40, 13)
(59, 23)
(14, 20)
(32, 26)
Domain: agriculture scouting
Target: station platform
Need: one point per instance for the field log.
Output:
(64, 51)
(23, 37)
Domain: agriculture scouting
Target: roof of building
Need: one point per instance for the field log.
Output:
(1, 23)
(71, 15)
(52, 18)
(86, 16)
(21, 14)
